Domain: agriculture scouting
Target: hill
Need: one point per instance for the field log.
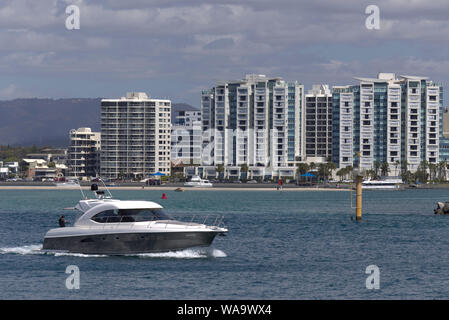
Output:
(26, 122)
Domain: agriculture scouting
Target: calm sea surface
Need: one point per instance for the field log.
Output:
(281, 245)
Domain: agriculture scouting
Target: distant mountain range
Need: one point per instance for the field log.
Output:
(46, 122)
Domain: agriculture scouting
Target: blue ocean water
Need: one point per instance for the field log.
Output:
(281, 245)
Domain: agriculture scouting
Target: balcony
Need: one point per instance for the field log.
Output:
(279, 122)
(367, 129)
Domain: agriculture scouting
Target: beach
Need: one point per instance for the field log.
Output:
(172, 188)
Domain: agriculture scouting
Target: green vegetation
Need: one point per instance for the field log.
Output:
(324, 170)
(8, 153)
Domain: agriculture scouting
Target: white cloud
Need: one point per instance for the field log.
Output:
(202, 40)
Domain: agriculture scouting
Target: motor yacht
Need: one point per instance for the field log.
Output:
(382, 184)
(116, 227)
(196, 181)
(71, 183)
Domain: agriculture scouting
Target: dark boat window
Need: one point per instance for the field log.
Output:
(144, 214)
(130, 215)
(107, 216)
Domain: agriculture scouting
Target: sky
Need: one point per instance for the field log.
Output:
(174, 49)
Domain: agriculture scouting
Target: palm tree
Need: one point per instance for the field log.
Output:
(244, 168)
(384, 168)
(301, 169)
(424, 166)
(432, 171)
(409, 177)
(377, 165)
(396, 165)
(348, 170)
(312, 166)
(404, 167)
(331, 167)
(220, 169)
(341, 172)
(442, 165)
(322, 171)
(369, 174)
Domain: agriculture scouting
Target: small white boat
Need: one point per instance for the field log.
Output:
(196, 181)
(71, 183)
(382, 184)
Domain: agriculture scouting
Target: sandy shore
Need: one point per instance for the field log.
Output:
(162, 188)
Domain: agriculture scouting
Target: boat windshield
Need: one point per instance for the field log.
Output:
(131, 215)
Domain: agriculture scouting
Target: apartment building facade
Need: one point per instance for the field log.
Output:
(187, 117)
(83, 154)
(319, 124)
(257, 123)
(135, 136)
(387, 119)
(186, 138)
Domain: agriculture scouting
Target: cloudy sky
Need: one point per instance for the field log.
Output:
(175, 49)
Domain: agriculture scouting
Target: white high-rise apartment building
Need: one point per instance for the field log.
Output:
(319, 123)
(256, 122)
(83, 153)
(135, 136)
(423, 112)
(186, 138)
(186, 144)
(187, 117)
(387, 119)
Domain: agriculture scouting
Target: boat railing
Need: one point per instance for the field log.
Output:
(213, 220)
(210, 220)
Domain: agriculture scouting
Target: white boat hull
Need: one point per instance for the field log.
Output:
(130, 242)
(380, 187)
(198, 185)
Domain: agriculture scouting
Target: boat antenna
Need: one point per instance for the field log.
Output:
(81, 189)
(99, 177)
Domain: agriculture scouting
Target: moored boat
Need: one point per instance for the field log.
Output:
(196, 181)
(382, 184)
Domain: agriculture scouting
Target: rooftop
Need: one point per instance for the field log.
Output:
(135, 96)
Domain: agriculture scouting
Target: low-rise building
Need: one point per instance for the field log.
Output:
(8, 168)
(38, 169)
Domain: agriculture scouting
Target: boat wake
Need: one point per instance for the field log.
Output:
(31, 249)
(37, 249)
(193, 253)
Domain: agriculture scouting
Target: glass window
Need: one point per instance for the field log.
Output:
(106, 216)
(131, 215)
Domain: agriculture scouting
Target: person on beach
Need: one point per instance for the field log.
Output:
(62, 221)
(279, 184)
